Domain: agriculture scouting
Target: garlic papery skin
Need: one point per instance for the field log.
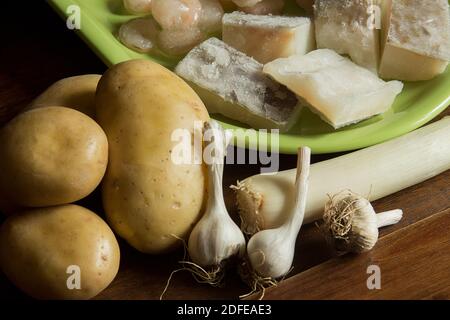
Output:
(216, 237)
(351, 224)
(388, 218)
(271, 252)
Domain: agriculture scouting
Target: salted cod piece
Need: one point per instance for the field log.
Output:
(233, 84)
(337, 89)
(266, 37)
(416, 39)
(347, 27)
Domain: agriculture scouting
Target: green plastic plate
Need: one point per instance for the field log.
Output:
(419, 102)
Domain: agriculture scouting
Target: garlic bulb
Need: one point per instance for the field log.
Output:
(351, 224)
(271, 252)
(216, 237)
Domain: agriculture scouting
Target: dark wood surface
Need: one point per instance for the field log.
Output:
(414, 264)
(38, 50)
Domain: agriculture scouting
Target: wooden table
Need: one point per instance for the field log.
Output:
(414, 256)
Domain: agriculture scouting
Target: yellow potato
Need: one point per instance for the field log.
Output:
(75, 92)
(65, 252)
(149, 199)
(51, 156)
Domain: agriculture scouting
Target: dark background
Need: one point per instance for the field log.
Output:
(36, 49)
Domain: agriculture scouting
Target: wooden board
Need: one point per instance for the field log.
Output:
(419, 241)
(413, 264)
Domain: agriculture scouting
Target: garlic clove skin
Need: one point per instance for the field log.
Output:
(367, 223)
(388, 218)
(215, 240)
(351, 224)
(216, 237)
(262, 250)
(271, 252)
(364, 233)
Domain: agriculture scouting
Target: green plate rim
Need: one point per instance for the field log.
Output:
(352, 138)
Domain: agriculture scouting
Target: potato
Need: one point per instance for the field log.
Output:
(51, 156)
(41, 249)
(149, 200)
(75, 92)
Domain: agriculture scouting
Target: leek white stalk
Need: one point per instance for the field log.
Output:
(216, 237)
(271, 252)
(350, 223)
(375, 172)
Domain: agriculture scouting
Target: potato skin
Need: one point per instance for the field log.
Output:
(75, 92)
(37, 247)
(148, 199)
(51, 156)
